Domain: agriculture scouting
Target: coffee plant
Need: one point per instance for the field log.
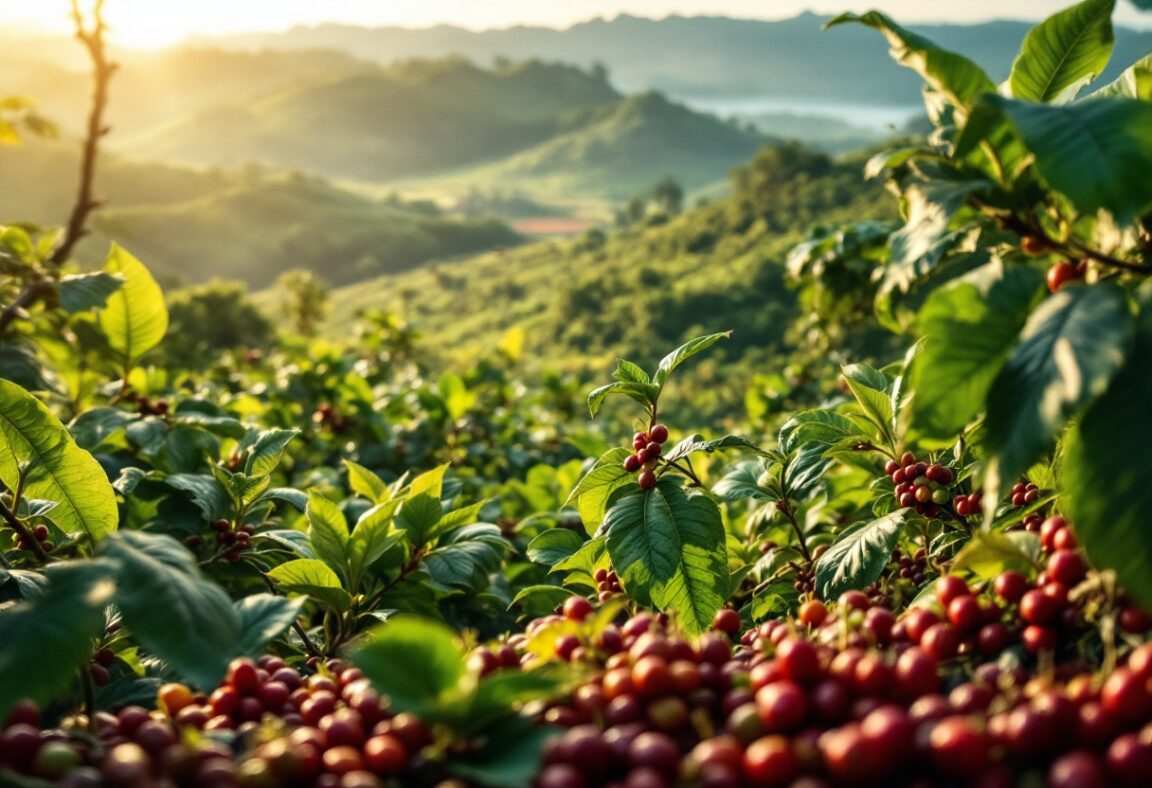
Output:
(321, 566)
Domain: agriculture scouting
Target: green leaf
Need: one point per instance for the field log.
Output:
(1108, 478)
(544, 598)
(1135, 82)
(264, 617)
(1064, 52)
(371, 538)
(417, 663)
(697, 443)
(823, 428)
(627, 372)
(591, 493)
(58, 469)
(430, 482)
(553, 546)
(208, 494)
(872, 391)
(171, 609)
(49, 637)
(92, 427)
(970, 327)
(135, 318)
(81, 292)
(954, 76)
(266, 452)
(856, 559)
(743, 481)
(466, 557)
(365, 483)
(670, 548)
(1069, 350)
(683, 353)
(1094, 152)
(328, 532)
(312, 578)
(418, 517)
(643, 393)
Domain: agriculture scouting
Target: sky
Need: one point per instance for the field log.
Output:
(154, 23)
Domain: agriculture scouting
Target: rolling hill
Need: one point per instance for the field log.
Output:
(620, 153)
(250, 224)
(414, 118)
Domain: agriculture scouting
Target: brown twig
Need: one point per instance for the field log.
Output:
(25, 535)
(92, 37)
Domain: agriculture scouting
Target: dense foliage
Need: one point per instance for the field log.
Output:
(314, 563)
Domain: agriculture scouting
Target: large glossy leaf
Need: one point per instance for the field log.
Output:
(46, 639)
(135, 318)
(57, 469)
(952, 75)
(172, 610)
(670, 548)
(1108, 476)
(644, 393)
(371, 538)
(1064, 52)
(418, 517)
(366, 483)
(858, 557)
(553, 546)
(969, 328)
(1069, 350)
(312, 578)
(417, 663)
(1095, 152)
(328, 532)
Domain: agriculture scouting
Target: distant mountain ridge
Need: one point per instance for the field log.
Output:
(696, 55)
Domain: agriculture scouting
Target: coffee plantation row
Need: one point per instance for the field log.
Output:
(320, 566)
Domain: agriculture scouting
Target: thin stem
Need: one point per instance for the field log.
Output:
(92, 37)
(25, 535)
(89, 698)
(785, 507)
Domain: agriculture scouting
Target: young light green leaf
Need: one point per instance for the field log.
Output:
(990, 553)
(645, 394)
(371, 538)
(312, 578)
(57, 469)
(1064, 52)
(135, 318)
(670, 548)
(683, 353)
(171, 609)
(418, 516)
(430, 482)
(1069, 350)
(627, 372)
(856, 559)
(591, 493)
(366, 484)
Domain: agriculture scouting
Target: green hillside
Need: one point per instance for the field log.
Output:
(248, 223)
(640, 289)
(416, 117)
(623, 150)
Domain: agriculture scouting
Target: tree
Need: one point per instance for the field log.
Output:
(213, 317)
(668, 195)
(305, 299)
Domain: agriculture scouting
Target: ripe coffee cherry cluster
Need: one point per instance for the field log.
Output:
(920, 485)
(969, 505)
(1024, 493)
(914, 568)
(40, 533)
(646, 448)
(1064, 272)
(232, 542)
(607, 583)
(328, 417)
(145, 406)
